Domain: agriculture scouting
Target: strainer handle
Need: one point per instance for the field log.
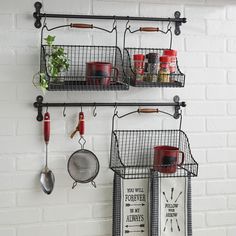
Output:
(74, 185)
(94, 184)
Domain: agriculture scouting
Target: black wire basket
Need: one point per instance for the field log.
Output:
(132, 152)
(142, 76)
(90, 67)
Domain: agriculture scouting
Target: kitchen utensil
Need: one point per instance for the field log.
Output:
(83, 165)
(47, 178)
(166, 159)
(99, 72)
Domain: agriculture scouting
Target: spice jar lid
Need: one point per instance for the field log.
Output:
(138, 57)
(152, 57)
(170, 52)
(165, 59)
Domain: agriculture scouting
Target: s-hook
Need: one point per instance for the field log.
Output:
(94, 110)
(64, 110)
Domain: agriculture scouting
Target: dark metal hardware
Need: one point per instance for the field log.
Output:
(176, 104)
(38, 15)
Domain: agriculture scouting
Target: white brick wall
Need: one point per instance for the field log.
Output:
(207, 54)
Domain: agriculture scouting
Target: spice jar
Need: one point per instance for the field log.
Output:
(153, 59)
(173, 68)
(138, 66)
(164, 71)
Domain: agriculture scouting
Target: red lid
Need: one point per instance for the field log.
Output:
(169, 52)
(139, 57)
(165, 59)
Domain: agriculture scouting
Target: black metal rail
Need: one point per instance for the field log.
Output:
(176, 104)
(38, 16)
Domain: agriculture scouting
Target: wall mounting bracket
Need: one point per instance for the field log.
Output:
(38, 16)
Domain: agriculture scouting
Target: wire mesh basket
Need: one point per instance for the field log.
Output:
(132, 152)
(143, 68)
(90, 67)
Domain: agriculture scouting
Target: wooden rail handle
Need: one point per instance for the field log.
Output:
(148, 110)
(81, 26)
(148, 29)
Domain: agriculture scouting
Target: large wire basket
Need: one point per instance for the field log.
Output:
(77, 76)
(142, 77)
(132, 152)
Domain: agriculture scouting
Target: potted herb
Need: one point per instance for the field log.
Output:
(56, 63)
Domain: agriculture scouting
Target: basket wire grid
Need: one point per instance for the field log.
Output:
(177, 79)
(132, 152)
(78, 56)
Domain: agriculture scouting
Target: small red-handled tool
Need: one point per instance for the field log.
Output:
(80, 126)
(46, 127)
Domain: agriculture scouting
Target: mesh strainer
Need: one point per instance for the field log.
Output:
(83, 165)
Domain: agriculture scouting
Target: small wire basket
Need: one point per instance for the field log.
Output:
(90, 67)
(132, 151)
(141, 76)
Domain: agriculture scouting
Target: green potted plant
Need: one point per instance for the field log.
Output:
(56, 63)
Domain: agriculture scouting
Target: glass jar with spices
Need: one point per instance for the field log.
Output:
(173, 66)
(153, 60)
(139, 66)
(164, 71)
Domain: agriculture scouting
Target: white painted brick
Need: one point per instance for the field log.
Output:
(207, 44)
(210, 231)
(232, 170)
(39, 198)
(101, 143)
(207, 140)
(232, 140)
(232, 108)
(102, 210)
(231, 231)
(221, 124)
(7, 199)
(11, 6)
(6, 21)
(221, 28)
(62, 179)
(205, 76)
(221, 155)
(105, 176)
(198, 220)
(63, 213)
(231, 12)
(194, 27)
(101, 227)
(7, 164)
(231, 45)
(221, 187)
(20, 144)
(7, 94)
(231, 76)
(198, 188)
(209, 203)
(191, 59)
(190, 124)
(158, 9)
(7, 231)
(115, 8)
(191, 93)
(232, 202)
(19, 216)
(199, 155)
(70, 6)
(212, 171)
(221, 60)
(7, 127)
(27, 56)
(221, 92)
(224, 218)
(17, 73)
(7, 57)
(42, 230)
(90, 194)
(140, 94)
(206, 12)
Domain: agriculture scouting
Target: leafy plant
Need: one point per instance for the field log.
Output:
(57, 62)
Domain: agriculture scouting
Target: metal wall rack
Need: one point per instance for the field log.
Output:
(176, 104)
(177, 20)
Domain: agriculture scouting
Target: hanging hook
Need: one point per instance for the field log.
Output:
(126, 26)
(114, 22)
(81, 108)
(94, 110)
(168, 26)
(64, 110)
(47, 108)
(115, 109)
